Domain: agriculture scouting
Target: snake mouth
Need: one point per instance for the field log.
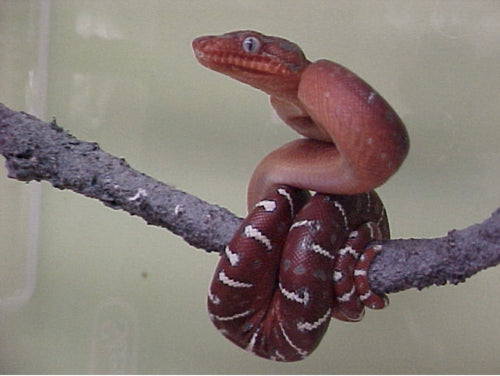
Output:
(229, 62)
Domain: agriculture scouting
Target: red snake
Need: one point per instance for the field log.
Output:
(296, 261)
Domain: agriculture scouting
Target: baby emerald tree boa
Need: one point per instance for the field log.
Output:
(296, 261)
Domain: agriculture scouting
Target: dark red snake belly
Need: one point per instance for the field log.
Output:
(291, 266)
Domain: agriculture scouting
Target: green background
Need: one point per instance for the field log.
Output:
(88, 289)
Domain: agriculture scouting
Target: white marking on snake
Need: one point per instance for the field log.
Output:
(347, 296)
(289, 341)
(278, 356)
(303, 326)
(267, 205)
(251, 344)
(301, 298)
(305, 222)
(371, 97)
(365, 296)
(337, 276)
(353, 235)
(344, 251)
(231, 282)
(371, 228)
(342, 212)
(213, 298)
(286, 195)
(233, 317)
(252, 232)
(359, 272)
(318, 249)
(233, 258)
(382, 215)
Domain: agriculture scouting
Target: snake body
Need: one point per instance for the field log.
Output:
(296, 261)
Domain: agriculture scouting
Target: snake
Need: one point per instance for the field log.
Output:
(302, 255)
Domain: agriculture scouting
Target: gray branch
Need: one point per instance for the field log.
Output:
(35, 150)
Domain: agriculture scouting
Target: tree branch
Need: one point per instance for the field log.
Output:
(35, 150)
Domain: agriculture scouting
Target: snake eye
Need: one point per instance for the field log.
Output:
(251, 44)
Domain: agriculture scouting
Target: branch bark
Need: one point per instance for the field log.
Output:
(36, 150)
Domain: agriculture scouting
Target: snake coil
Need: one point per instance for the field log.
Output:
(296, 261)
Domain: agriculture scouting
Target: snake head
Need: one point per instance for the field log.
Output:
(271, 64)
